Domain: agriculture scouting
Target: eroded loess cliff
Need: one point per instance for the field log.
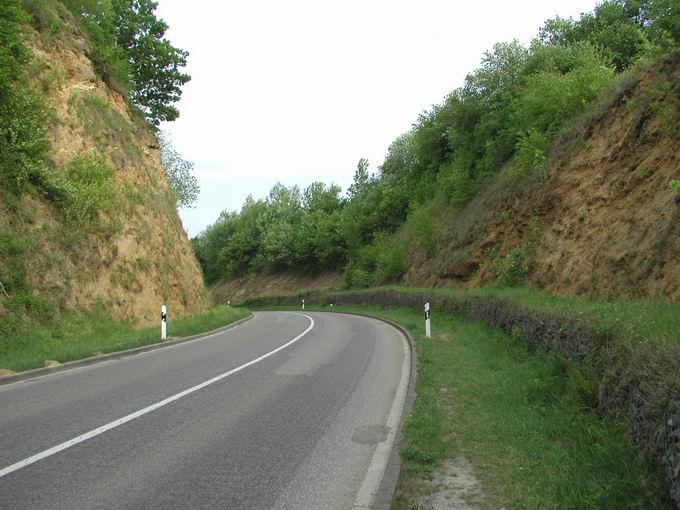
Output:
(118, 241)
(603, 221)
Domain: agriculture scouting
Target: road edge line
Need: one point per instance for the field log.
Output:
(36, 373)
(378, 486)
(148, 409)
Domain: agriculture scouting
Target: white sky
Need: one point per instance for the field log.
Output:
(296, 91)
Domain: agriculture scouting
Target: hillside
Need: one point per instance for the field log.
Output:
(541, 197)
(87, 217)
(603, 221)
(554, 165)
(600, 220)
(238, 290)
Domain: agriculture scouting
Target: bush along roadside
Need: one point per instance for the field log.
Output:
(621, 374)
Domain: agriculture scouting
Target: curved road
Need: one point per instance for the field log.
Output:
(287, 410)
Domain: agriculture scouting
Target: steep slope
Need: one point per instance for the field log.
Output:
(118, 242)
(256, 285)
(603, 221)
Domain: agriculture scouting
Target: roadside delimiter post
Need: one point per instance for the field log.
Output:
(303, 304)
(428, 328)
(164, 322)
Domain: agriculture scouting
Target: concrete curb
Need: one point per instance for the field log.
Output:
(40, 372)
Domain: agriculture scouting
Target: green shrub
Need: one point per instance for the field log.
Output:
(356, 278)
(23, 158)
(424, 228)
(24, 146)
(84, 190)
(390, 262)
(13, 53)
(530, 156)
(455, 183)
(17, 301)
(44, 17)
(13, 254)
(511, 270)
(143, 263)
(675, 186)
(382, 261)
(566, 80)
(98, 20)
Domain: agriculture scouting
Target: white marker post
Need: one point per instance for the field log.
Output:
(228, 304)
(164, 322)
(428, 328)
(303, 304)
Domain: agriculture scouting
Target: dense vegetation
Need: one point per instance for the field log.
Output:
(503, 118)
(129, 52)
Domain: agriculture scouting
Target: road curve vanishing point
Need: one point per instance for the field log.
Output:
(288, 410)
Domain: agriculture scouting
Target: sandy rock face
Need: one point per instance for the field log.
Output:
(139, 257)
(604, 218)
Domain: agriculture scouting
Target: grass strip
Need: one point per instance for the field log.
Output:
(75, 336)
(654, 320)
(518, 417)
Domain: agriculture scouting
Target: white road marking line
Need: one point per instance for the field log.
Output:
(376, 470)
(122, 358)
(89, 435)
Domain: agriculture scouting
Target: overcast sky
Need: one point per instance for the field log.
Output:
(296, 91)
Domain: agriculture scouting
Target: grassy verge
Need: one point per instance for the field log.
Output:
(519, 418)
(77, 336)
(622, 358)
(655, 320)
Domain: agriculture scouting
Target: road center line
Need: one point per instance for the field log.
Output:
(93, 433)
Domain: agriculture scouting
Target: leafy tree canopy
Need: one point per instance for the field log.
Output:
(505, 116)
(131, 53)
(183, 183)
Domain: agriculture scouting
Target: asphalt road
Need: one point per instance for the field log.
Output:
(297, 427)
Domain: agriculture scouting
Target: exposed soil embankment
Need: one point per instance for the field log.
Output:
(604, 218)
(255, 285)
(133, 254)
(623, 378)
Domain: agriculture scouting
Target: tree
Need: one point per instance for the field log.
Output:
(499, 75)
(184, 185)
(108, 58)
(361, 179)
(615, 27)
(665, 24)
(319, 197)
(154, 63)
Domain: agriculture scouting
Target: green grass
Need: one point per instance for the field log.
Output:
(652, 320)
(517, 416)
(75, 336)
